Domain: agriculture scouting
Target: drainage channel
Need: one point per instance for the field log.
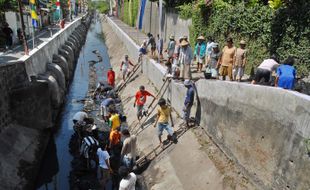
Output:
(56, 164)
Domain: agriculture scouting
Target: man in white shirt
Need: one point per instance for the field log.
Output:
(104, 165)
(129, 149)
(79, 116)
(265, 69)
(128, 181)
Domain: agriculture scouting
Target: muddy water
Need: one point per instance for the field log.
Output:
(56, 164)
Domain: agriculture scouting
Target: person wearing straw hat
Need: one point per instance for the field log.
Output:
(185, 60)
(240, 61)
(171, 47)
(200, 52)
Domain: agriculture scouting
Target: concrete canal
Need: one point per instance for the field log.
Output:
(56, 164)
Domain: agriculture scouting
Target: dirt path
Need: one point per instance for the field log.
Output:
(194, 163)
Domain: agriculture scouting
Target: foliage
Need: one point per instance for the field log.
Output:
(285, 31)
(275, 4)
(129, 12)
(185, 11)
(102, 6)
(8, 5)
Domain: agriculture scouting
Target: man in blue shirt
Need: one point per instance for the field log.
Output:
(286, 74)
(189, 101)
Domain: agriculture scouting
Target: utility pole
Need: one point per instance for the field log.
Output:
(23, 27)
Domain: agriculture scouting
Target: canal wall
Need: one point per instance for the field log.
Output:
(33, 90)
(264, 130)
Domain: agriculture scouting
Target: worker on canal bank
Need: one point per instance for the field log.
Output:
(185, 60)
(200, 53)
(79, 116)
(151, 42)
(240, 61)
(111, 77)
(163, 116)
(227, 60)
(129, 179)
(140, 100)
(189, 101)
(160, 47)
(265, 70)
(286, 74)
(125, 67)
(129, 149)
(104, 165)
(171, 47)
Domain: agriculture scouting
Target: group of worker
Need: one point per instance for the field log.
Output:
(115, 154)
(228, 63)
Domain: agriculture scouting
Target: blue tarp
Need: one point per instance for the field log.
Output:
(142, 8)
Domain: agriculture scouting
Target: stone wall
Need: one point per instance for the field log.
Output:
(263, 129)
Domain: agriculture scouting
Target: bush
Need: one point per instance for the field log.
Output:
(129, 12)
(285, 31)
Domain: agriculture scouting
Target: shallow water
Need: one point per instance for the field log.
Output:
(56, 163)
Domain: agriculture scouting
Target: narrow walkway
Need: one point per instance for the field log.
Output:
(138, 37)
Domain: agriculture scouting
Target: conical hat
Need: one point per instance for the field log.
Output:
(201, 38)
(184, 43)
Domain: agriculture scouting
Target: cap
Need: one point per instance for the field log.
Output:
(171, 37)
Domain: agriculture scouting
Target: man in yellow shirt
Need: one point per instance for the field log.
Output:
(114, 121)
(163, 115)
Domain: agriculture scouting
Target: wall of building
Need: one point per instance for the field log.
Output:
(263, 129)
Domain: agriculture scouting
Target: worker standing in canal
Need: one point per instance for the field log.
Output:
(125, 67)
(111, 77)
(163, 116)
(140, 100)
(189, 101)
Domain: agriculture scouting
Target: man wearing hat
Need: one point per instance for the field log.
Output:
(200, 52)
(171, 47)
(185, 60)
(189, 101)
(240, 61)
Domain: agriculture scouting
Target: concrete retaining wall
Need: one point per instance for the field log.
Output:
(263, 129)
(36, 62)
(28, 109)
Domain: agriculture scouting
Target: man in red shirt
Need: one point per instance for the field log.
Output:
(111, 77)
(140, 101)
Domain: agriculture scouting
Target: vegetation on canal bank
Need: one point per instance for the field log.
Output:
(274, 27)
